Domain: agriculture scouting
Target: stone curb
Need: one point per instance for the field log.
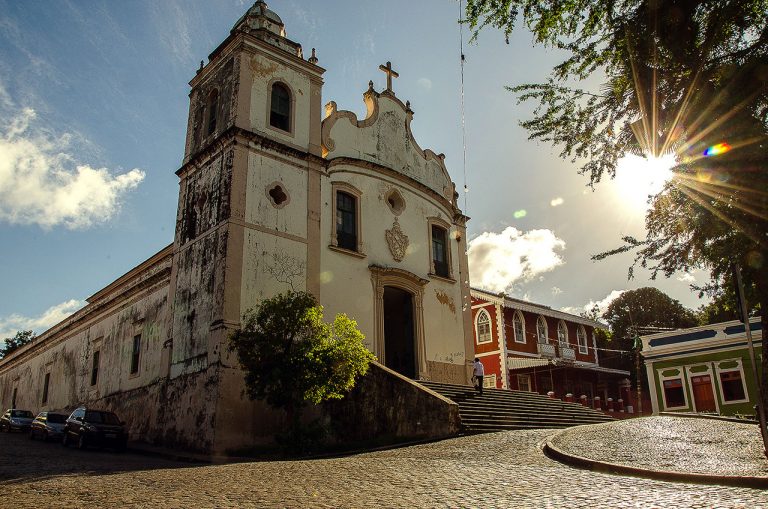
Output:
(660, 475)
(688, 415)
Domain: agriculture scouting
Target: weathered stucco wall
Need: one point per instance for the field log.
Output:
(135, 305)
(345, 275)
(385, 407)
(266, 70)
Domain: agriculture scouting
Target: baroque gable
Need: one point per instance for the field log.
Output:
(384, 138)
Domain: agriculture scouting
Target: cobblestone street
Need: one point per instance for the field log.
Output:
(496, 470)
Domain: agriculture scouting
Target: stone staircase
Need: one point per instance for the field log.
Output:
(501, 409)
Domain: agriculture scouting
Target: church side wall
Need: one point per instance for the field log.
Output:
(67, 355)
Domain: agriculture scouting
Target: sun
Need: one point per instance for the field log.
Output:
(638, 177)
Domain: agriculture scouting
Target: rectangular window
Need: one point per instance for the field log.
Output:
(136, 353)
(95, 368)
(733, 387)
(489, 381)
(13, 399)
(346, 221)
(440, 251)
(674, 394)
(46, 381)
(524, 383)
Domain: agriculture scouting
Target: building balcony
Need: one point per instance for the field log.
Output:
(566, 352)
(547, 350)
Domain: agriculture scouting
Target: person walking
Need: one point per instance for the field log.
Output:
(478, 372)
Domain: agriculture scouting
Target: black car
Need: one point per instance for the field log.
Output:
(88, 427)
(16, 420)
(48, 425)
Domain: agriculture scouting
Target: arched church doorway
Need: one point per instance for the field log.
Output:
(399, 331)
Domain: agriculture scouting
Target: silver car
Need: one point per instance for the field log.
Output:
(48, 425)
(16, 420)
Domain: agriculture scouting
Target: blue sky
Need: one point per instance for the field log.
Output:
(93, 112)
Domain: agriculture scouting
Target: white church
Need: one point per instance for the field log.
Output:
(276, 193)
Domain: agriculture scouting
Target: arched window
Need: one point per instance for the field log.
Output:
(518, 327)
(541, 330)
(581, 338)
(562, 333)
(280, 107)
(211, 109)
(483, 325)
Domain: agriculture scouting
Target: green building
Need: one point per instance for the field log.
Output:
(703, 369)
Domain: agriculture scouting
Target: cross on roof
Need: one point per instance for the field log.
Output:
(390, 73)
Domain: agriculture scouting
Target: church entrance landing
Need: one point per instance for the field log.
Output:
(399, 337)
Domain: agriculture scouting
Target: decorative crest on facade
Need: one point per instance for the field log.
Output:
(397, 241)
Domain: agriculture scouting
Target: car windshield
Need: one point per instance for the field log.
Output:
(22, 413)
(101, 417)
(56, 418)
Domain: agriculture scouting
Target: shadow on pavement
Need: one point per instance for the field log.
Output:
(22, 460)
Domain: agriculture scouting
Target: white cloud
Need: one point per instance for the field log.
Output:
(602, 304)
(556, 291)
(556, 201)
(10, 325)
(497, 260)
(41, 183)
(686, 277)
(425, 83)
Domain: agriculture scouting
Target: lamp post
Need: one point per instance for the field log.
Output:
(742, 303)
(637, 344)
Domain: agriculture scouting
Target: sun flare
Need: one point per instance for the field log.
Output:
(638, 177)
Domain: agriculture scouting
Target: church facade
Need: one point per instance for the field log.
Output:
(275, 195)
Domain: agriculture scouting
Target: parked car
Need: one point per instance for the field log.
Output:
(16, 420)
(48, 425)
(90, 427)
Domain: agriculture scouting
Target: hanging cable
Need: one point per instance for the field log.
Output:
(463, 119)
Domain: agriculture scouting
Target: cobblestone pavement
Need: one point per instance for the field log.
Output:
(496, 470)
(682, 444)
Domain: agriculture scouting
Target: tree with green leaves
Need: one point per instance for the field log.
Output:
(644, 309)
(682, 77)
(291, 357)
(20, 339)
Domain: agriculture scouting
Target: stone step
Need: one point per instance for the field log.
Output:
(501, 409)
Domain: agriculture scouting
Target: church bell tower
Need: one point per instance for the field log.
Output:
(248, 220)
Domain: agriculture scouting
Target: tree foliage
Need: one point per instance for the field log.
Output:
(291, 357)
(678, 76)
(634, 313)
(17, 341)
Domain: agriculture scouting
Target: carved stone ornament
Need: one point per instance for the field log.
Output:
(397, 241)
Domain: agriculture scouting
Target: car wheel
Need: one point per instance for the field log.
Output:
(31, 435)
(45, 436)
(65, 439)
(81, 442)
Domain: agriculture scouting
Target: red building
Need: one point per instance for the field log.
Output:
(531, 347)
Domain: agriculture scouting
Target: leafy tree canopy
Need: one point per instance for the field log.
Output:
(291, 357)
(637, 311)
(20, 339)
(678, 76)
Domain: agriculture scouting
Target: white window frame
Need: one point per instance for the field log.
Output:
(581, 334)
(683, 379)
(527, 378)
(446, 227)
(481, 341)
(515, 317)
(740, 368)
(358, 196)
(545, 339)
(562, 327)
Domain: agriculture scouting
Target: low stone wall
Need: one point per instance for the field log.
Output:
(385, 408)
